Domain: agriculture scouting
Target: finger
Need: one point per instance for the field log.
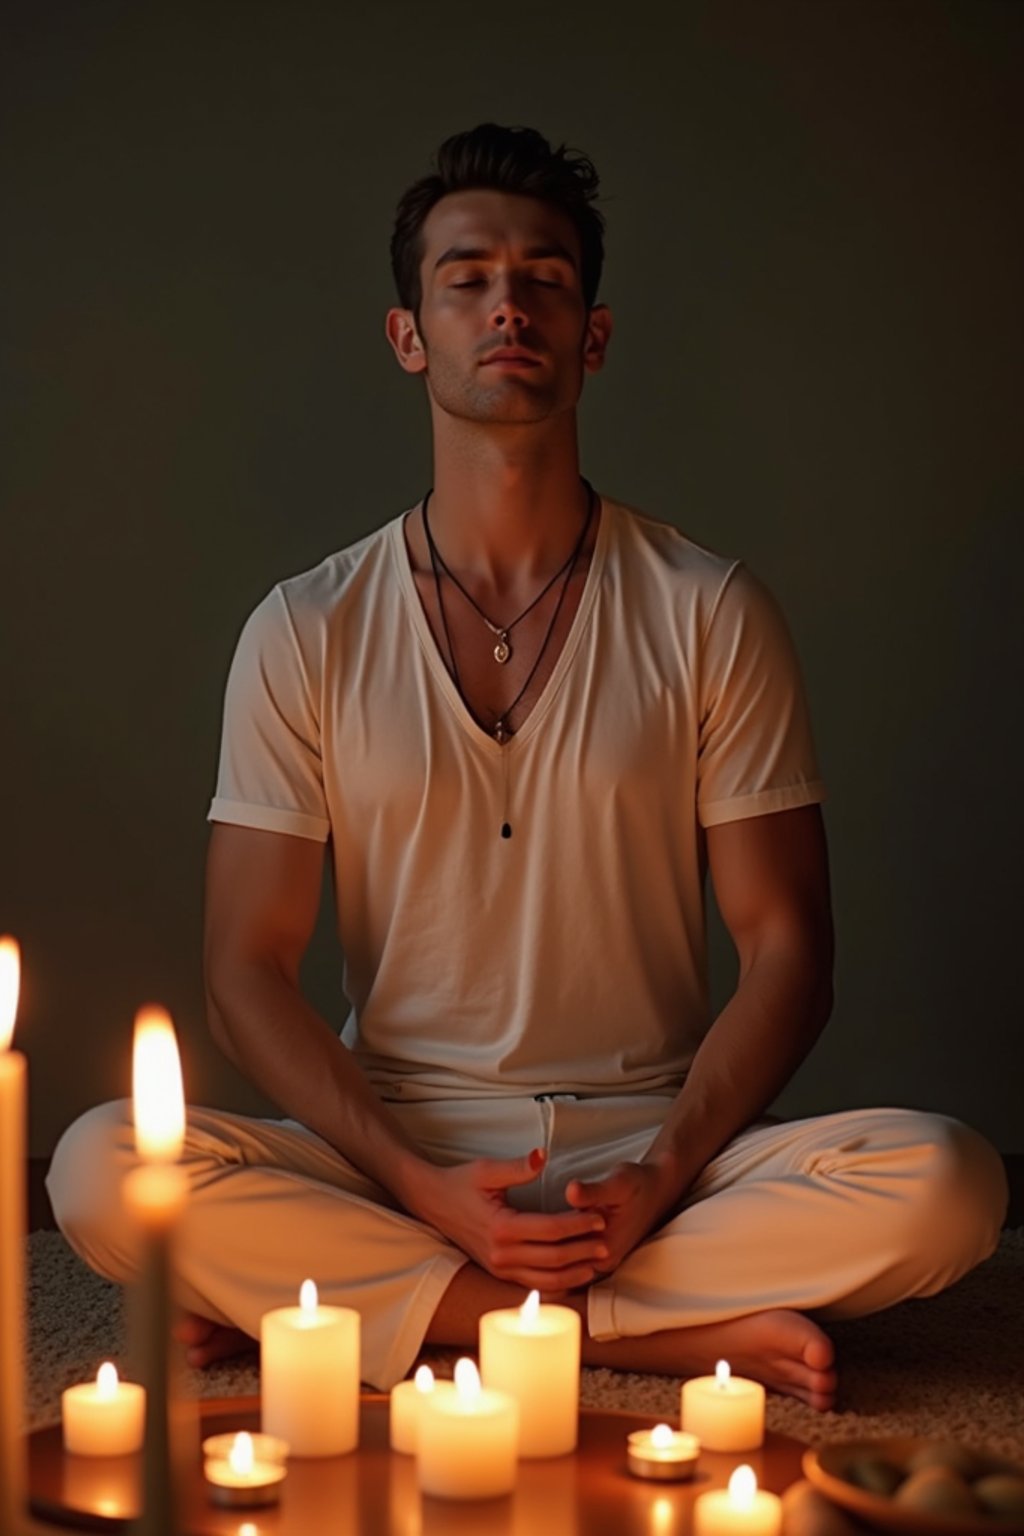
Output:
(545, 1282)
(551, 1256)
(504, 1173)
(598, 1192)
(537, 1227)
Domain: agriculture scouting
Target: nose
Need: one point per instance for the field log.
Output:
(509, 310)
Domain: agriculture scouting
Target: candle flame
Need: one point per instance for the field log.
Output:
(240, 1457)
(742, 1487)
(467, 1381)
(10, 982)
(722, 1373)
(661, 1436)
(424, 1379)
(158, 1099)
(530, 1308)
(106, 1381)
(309, 1300)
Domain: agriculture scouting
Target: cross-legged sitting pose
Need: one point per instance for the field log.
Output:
(523, 721)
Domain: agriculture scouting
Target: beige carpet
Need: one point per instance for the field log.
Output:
(951, 1365)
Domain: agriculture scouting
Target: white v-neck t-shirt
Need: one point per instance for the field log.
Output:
(572, 956)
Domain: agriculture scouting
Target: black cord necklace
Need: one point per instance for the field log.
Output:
(500, 730)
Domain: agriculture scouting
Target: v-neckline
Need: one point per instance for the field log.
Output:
(414, 606)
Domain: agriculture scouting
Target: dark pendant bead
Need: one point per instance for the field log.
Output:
(506, 830)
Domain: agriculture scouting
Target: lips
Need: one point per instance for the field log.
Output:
(512, 356)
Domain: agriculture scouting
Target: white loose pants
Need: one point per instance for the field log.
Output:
(837, 1215)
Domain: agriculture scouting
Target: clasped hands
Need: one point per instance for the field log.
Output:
(552, 1252)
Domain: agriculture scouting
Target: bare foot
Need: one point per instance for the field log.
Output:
(206, 1341)
(784, 1350)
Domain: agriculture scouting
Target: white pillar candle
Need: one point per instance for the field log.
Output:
(13, 1077)
(533, 1353)
(154, 1195)
(105, 1417)
(742, 1509)
(725, 1412)
(467, 1439)
(309, 1375)
(405, 1401)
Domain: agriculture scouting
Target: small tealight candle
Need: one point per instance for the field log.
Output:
(725, 1412)
(240, 1480)
(406, 1401)
(467, 1439)
(264, 1447)
(663, 1454)
(742, 1509)
(105, 1417)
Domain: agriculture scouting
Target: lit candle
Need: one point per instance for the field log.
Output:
(240, 1480)
(406, 1399)
(105, 1417)
(663, 1454)
(154, 1195)
(309, 1375)
(742, 1509)
(725, 1412)
(466, 1444)
(12, 1247)
(533, 1353)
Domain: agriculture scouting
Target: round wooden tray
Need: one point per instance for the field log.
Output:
(373, 1490)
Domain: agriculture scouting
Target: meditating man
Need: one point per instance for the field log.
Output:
(526, 720)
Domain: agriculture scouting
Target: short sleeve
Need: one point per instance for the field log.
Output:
(755, 749)
(270, 774)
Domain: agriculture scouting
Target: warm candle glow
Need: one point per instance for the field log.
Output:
(661, 1435)
(742, 1487)
(10, 981)
(240, 1457)
(467, 1381)
(722, 1373)
(424, 1379)
(309, 1298)
(530, 1308)
(106, 1382)
(158, 1098)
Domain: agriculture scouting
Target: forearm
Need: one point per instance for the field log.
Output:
(751, 1051)
(275, 1037)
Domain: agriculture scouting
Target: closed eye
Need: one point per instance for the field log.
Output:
(476, 281)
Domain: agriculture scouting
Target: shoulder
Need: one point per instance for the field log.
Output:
(315, 601)
(676, 567)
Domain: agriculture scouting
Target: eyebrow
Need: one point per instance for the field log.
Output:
(481, 253)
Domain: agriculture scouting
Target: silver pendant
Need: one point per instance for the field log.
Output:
(502, 651)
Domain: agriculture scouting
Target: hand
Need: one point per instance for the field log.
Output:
(632, 1198)
(551, 1253)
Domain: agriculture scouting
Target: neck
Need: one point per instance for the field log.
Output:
(503, 520)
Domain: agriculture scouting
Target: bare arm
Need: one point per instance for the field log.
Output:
(262, 897)
(771, 880)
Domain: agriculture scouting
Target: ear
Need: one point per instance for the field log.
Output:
(598, 335)
(400, 330)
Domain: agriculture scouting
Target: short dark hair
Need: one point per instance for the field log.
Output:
(510, 160)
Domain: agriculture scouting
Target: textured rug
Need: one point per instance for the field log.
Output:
(951, 1365)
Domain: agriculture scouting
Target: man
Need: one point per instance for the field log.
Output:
(526, 721)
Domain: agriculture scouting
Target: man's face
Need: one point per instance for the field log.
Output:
(502, 270)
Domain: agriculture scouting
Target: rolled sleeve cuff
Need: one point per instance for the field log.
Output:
(761, 804)
(269, 818)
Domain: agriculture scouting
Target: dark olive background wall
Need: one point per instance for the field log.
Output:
(813, 259)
